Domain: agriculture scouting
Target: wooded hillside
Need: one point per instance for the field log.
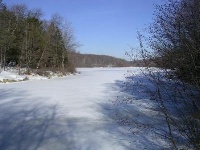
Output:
(92, 60)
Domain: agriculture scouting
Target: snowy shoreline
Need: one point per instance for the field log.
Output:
(12, 76)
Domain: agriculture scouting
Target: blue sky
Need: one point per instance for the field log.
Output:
(101, 26)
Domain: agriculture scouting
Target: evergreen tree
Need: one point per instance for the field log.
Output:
(32, 42)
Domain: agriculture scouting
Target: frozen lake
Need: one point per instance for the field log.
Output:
(74, 112)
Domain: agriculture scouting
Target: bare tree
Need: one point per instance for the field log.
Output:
(175, 48)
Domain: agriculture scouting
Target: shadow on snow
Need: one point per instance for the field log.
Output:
(137, 116)
(27, 125)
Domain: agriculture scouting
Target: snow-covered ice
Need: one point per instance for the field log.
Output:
(73, 112)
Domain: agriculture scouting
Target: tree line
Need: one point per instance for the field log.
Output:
(92, 60)
(27, 40)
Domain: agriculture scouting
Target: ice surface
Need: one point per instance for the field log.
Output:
(73, 112)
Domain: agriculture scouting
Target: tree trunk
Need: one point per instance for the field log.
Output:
(4, 59)
(1, 58)
(38, 64)
(63, 61)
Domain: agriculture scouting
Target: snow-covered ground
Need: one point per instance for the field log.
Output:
(75, 112)
(12, 75)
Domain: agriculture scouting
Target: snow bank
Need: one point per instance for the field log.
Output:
(12, 75)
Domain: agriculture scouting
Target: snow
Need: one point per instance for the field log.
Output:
(74, 112)
(11, 75)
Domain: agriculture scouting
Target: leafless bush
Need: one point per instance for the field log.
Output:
(173, 45)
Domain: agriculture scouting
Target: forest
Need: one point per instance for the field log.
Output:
(92, 60)
(28, 41)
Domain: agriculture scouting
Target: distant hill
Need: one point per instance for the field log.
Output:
(92, 60)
